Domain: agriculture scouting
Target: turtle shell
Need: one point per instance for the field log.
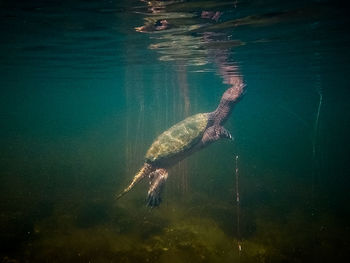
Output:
(178, 138)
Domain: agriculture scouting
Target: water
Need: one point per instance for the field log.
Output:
(84, 94)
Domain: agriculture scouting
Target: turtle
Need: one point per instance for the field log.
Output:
(181, 140)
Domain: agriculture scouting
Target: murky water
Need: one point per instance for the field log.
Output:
(88, 85)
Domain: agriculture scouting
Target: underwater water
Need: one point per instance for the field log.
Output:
(86, 87)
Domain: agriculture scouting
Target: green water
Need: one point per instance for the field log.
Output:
(83, 96)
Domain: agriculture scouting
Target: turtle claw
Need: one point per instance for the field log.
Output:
(223, 133)
(229, 136)
(153, 199)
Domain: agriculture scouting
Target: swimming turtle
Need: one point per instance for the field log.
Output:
(181, 140)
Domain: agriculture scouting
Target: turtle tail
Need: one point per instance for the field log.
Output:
(144, 171)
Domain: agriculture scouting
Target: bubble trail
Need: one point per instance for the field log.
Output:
(238, 206)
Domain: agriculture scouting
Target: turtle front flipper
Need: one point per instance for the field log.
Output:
(214, 133)
(157, 182)
(223, 133)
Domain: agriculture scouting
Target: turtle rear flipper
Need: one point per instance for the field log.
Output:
(157, 182)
